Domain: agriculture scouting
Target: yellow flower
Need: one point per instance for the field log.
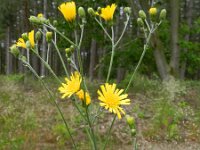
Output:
(112, 98)
(107, 12)
(21, 43)
(71, 86)
(40, 15)
(81, 96)
(68, 10)
(31, 38)
(153, 11)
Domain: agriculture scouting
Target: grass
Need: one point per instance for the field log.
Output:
(163, 111)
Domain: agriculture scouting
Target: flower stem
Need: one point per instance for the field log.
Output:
(60, 56)
(109, 131)
(53, 99)
(103, 28)
(112, 55)
(140, 61)
(54, 29)
(125, 26)
(91, 129)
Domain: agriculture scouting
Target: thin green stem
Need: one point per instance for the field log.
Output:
(81, 38)
(53, 99)
(103, 28)
(125, 26)
(60, 56)
(48, 50)
(140, 61)
(134, 143)
(109, 131)
(85, 87)
(54, 29)
(91, 129)
(112, 55)
(48, 67)
(147, 24)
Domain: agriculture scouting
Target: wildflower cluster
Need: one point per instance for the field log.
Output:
(74, 87)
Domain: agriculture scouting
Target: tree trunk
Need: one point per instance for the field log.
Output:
(174, 19)
(44, 44)
(9, 64)
(161, 62)
(189, 8)
(34, 59)
(93, 48)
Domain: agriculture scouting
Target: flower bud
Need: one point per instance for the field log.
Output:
(72, 48)
(163, 14)
(23, 58)
(25, 36)
(55, 22)
(130, 121)
(127, 10)
(38, 20)
(34, 20)
(68, 50)
(99, 9)
(142, 14)
(91, 12)
(14, 50)
(152, 11)
(140, 22)
(133, 132)
(38, 35)
(28, 44)
(69, 60)
(81, 12)
(49, 36)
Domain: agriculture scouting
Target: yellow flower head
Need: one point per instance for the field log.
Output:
(68, 10)
(40, 15)
(31, 38)
(153, 11)
(108, 12)
(21, 43)
(71, 86)
(112, 98)
(81, 96)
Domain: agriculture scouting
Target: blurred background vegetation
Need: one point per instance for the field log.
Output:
(174, 50)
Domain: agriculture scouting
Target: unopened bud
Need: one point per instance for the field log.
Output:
(163, 14)
(142, 14)
(140, 22)
(130, 121)
(28, 44)
(49, 36)
(72, 48)
(68, 50)
(81, 12)
(34, 20)
(38, 35)
(99, 9)
(91, 11)
(14, 50)
(127, 10)
(55, 22)
(38, 20)
(69, 60)
(133, 132)
(25, 36)
(23, 58)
